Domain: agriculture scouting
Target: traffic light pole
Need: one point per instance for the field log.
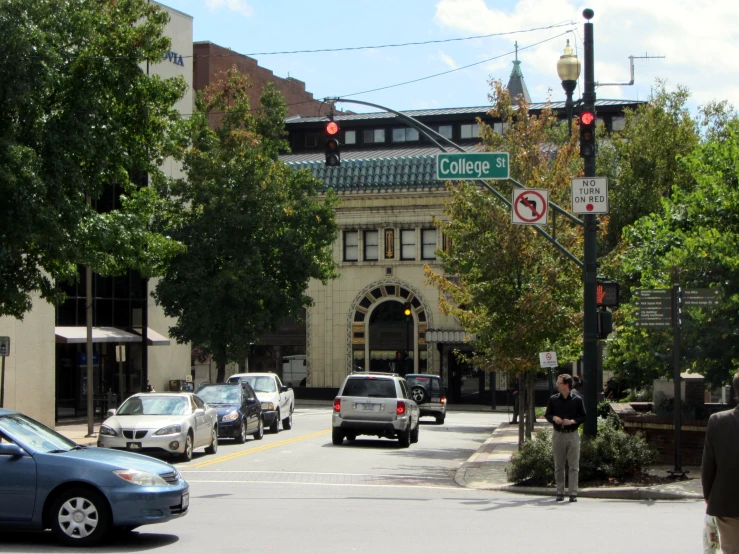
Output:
(590, 256)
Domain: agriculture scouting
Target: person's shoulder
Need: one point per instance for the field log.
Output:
(554, 397)
(723, 415)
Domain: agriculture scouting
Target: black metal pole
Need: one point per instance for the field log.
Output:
(590, 258)
(569, 87)
(678, 404)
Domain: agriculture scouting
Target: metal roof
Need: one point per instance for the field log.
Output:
(373, 153)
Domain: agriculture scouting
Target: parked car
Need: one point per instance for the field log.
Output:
(239, 411)
(48, 481)
(375, 404)
(428, 392)
(172, 423)
(278, 401)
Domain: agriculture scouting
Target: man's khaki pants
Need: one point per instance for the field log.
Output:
(566, 448)
(728, 534)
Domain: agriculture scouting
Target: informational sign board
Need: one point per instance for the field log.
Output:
(701, 297)
(654, 307)
(4, 346)
(529, 206)
(548, 359)
(471, 166)
(590, 195)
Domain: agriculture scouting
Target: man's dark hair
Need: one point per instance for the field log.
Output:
(566, 379)
(736, 384)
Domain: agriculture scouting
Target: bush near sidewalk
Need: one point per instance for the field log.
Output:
(612, 454)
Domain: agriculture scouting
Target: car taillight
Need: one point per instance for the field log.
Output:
(337, 404)
(400, 410)
(443, 399)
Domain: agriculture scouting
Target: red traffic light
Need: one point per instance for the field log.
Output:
(587, 118)
(332, 128)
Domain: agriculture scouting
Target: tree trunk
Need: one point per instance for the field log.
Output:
(521, 412)
(531, 407)
(221, 368)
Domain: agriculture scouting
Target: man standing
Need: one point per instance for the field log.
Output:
(566, 412)
(720, 476)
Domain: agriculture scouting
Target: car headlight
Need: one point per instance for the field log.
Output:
(107, 431)
(169, 430)
(141, 478)
(268, 406)
(231, 416)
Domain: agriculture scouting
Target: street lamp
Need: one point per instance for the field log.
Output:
(568, 69)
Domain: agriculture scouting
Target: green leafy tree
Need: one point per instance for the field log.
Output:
(254, 230)
(510, 287)
(694, 239)
(79, 115)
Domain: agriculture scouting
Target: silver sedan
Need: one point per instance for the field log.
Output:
(173, 423)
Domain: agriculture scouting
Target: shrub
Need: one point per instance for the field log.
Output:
(604, 408)
(612, 454)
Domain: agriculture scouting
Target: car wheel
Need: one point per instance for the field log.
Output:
(260, 430)
(414, 433)
(337, 436)
(274, 428)
(213, 448)
(187, 454)
(80, 517)
(241, 437)
(287, 423)
(404, 438)
(419, 394)
(440, 419)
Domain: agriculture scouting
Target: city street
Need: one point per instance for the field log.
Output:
(295, 492)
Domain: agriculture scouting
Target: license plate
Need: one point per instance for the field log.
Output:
(133, 445)
(369, 407)
(185, 500)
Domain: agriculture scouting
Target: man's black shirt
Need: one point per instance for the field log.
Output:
(571, 407)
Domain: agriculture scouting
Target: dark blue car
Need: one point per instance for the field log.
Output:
(48, 481)
(239, 410)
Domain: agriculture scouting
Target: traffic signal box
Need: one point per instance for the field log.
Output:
(333, 154)
(605, 323)
(587, 133)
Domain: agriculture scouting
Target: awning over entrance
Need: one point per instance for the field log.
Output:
(448, 336)
(78, 335)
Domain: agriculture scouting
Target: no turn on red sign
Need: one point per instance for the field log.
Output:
(530, 206)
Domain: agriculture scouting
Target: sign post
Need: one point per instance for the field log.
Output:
(4, 351)
(548, 360)
(472, 166)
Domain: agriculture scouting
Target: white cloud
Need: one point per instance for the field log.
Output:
(448, 60)
(238, 6)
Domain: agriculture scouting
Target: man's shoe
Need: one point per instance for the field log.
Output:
(573, 498)
(560, 497)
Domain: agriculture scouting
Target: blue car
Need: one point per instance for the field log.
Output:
(48, 481)
(239, 411)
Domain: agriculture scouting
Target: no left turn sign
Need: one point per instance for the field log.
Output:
(530, 206)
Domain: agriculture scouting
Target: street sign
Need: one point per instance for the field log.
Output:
(701, 297)
(590, 195)
(654, 307)
(471, 166)
(529, 206)
(4, 346)
(548, 359)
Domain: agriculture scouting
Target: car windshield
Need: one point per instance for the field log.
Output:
(259, 384)
(154, 405)
(34, 434)
(364, 386)
(222, 394)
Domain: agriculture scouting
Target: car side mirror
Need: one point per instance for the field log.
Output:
(251, 400)
(283, 388)
(198, 412)
(10, 449)
(110, 413)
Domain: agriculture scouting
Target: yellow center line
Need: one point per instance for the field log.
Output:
(241, 453)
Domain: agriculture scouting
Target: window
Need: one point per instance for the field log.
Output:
(445, 131)
(351, 246)
(311, 140)
(470, 131)
(350, 137)
(428, 244)
(618, 123)
(408, 244)
(371, 251)
(374, 135)
(498, 128)
(406, 134)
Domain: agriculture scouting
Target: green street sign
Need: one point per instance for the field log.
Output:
(467, 167)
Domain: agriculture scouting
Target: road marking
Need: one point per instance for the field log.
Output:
(241, 453)
(292, 483)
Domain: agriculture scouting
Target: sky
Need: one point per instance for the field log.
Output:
(699, 43)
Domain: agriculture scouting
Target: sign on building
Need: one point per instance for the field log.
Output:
(529, 206)
(590, 195)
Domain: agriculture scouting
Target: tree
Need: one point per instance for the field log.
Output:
(695, 238)
(510, 288)
(79, 115)
(254, 230)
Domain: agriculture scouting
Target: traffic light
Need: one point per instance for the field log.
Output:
(333, 154)
(407, 311)
(587, 133)
(605, 323)
(607, 294)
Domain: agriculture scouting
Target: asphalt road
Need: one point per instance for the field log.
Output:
(295, 492)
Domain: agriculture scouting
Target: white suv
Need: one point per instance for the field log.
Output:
(375, 404)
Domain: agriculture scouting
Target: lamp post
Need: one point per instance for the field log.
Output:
(568, 69)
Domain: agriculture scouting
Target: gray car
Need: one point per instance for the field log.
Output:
(375, 404)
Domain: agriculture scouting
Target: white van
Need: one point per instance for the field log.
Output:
(294, 370)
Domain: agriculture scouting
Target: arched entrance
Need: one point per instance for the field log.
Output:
(391, 335)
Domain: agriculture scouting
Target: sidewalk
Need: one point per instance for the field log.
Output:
(486, 470)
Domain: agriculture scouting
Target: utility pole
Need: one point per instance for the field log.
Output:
(590, 258)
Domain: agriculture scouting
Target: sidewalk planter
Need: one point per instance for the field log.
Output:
(660, 433)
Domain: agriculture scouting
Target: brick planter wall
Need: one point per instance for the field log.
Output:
(659, 433)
